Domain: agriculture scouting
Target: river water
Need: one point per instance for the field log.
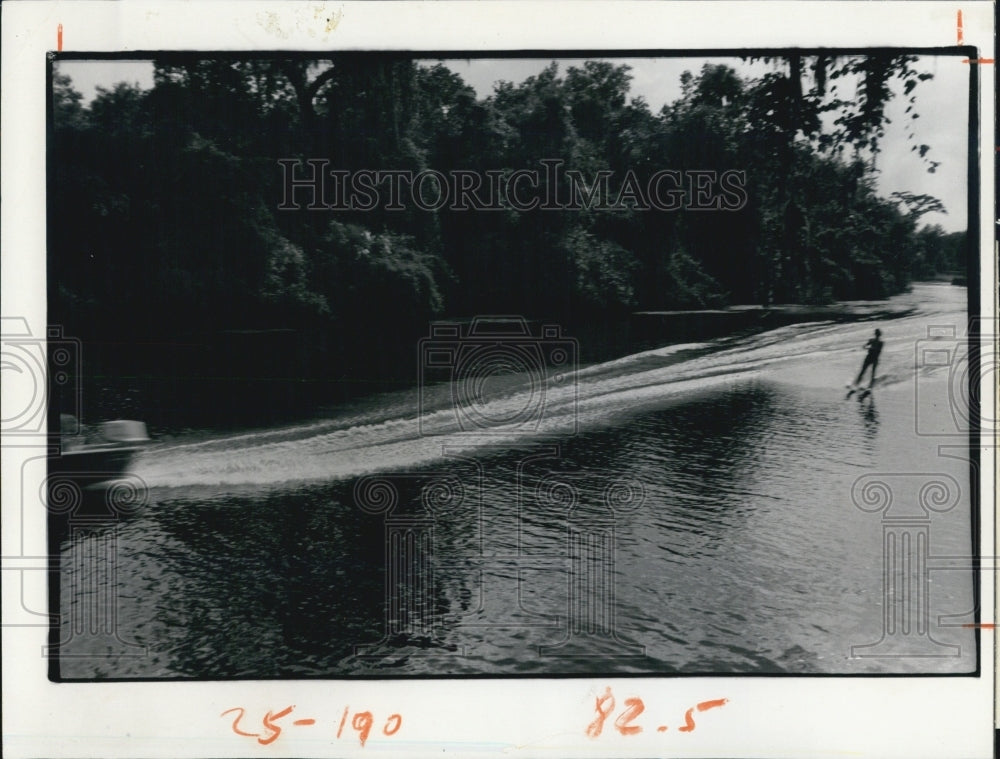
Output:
(689, 509)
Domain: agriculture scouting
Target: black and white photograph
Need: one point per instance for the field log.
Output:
(512, 366)
(600, 365)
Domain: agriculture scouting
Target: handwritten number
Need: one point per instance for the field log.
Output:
(275, 730)
(701, 707)
(635, 708)
(688, 721)
(236, 722)
(398, 724)
(605, 705)
(362, 722)
(705, 705)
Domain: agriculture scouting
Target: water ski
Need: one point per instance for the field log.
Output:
(853, 388)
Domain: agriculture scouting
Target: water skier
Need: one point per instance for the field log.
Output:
(874, 347)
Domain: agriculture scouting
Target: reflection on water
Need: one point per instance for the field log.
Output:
(870, 414)
(700, 521)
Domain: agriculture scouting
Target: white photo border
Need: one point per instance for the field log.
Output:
(779, 717)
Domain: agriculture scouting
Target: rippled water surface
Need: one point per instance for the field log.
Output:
(685, 509)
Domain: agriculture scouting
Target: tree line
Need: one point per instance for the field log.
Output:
(166, 215)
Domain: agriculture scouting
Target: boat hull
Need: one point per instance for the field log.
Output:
(93, 466)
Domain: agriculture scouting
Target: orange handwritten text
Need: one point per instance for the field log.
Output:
(362, 722)
(635, 708)
(604, 705)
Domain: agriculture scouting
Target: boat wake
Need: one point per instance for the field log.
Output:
(415, 428)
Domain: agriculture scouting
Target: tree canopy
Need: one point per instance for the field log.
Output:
(169, 199)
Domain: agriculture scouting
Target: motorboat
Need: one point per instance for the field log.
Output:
(95, 456)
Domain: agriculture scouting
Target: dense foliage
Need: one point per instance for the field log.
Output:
(165, 219)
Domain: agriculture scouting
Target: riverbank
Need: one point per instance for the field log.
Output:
(244, 379)
(721, 322)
